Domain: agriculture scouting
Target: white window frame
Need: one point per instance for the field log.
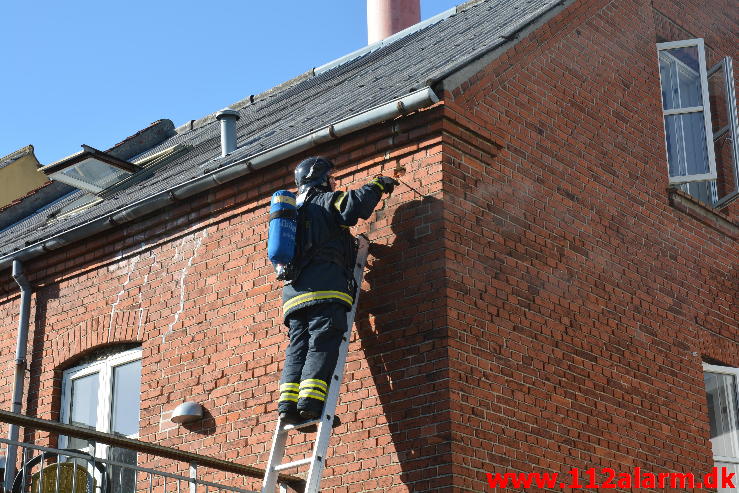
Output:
(705, 108)
(104, 367)
(732, 127)
(727, 370)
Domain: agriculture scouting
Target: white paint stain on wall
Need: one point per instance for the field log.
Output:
(141, 307)
(189, 245)
(131, 267)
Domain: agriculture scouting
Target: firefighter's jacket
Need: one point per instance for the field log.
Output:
(326, 255)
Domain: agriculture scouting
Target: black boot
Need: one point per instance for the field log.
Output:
(312, 416)
(290, 418)
(308, 415)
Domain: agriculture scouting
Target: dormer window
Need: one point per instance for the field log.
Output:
(90, 170)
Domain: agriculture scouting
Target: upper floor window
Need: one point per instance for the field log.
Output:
(722, 391)
(105, 394)
(699, 109)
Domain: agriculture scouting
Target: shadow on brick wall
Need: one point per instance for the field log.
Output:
(36, 357)
(401, 327)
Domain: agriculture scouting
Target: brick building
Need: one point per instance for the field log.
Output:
(560, 298)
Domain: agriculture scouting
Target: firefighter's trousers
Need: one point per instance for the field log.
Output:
(315, 336)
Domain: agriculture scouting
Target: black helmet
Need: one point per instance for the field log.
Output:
(313, 173)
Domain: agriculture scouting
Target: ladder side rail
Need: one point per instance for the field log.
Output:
(320, 447)
(277, 452)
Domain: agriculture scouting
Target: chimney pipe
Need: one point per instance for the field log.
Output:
(387, 17)
(228, 119)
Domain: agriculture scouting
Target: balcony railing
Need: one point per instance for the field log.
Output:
(115, 464)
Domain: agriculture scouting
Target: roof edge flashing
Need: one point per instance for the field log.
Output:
(387, 41)
(16, 155)
(460, 72)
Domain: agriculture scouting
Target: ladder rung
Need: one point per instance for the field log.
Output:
(296, 463)
(297, 426)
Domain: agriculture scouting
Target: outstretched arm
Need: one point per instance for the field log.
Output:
(359, 204)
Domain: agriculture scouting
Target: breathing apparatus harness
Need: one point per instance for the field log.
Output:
(306, 252)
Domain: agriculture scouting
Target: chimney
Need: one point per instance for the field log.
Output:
(387, 17)
(228, 119)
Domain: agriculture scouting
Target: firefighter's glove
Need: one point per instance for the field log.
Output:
(385, 183)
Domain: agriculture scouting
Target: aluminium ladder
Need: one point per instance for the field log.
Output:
(317, 460)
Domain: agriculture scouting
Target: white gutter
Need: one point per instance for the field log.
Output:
(227, 172)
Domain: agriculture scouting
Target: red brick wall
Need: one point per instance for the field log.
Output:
(193, 286)
(580, 302)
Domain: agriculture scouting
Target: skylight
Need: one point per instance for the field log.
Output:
(90, 170)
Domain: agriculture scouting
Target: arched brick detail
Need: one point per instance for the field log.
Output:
(93, 334)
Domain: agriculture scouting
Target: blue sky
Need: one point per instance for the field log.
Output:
(95, 72)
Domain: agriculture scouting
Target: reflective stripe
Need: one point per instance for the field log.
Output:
(289, 386)
(312, 395)
(313, 389)
(376, 182)
(293, 397)
(316, 394)
(284, 198)
(314, 382)
(340, 201)
(316, 295)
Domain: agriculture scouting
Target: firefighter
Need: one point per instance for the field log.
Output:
(320, 288)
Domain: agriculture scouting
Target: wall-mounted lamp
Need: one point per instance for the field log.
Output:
(187, 412)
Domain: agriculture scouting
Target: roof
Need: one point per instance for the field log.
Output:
(15, 156)
(354, 84)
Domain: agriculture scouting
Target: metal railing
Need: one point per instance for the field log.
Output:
(116, 464)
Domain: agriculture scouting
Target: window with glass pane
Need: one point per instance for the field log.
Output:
(85, 401)
(725, 128)
(125, 406)
(105, 395)
(126, 398)
(84, 405)
(687, 117)
(722, 393)
(686, 145)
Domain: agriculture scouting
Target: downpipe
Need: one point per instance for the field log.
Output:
(20, 367)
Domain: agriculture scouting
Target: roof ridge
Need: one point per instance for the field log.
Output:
(16, 155)
(468, 4)
(161, 121)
